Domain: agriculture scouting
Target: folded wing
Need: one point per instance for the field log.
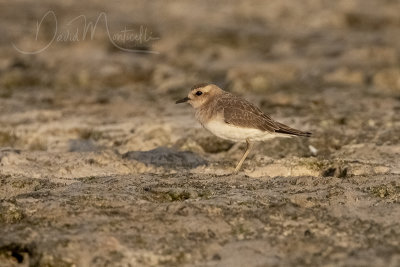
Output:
(241, 113)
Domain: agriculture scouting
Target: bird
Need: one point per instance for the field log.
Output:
(233, 118)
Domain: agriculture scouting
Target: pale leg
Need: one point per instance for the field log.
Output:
(248, 148)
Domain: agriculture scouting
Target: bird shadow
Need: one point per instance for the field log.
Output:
(166, 157)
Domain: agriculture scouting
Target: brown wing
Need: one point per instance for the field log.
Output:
(242, 113)
(284, 129)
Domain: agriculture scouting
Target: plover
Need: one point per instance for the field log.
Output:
(233, 118)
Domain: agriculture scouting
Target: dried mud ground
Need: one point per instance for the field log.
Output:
(99, 167)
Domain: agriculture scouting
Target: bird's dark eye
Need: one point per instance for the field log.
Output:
(199, 93)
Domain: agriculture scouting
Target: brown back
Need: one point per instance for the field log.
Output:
(239, 112)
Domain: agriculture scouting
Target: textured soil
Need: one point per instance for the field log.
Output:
(99, 167)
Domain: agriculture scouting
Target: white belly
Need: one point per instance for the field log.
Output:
(237, 134)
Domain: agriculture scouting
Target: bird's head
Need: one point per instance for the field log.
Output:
(200, 94)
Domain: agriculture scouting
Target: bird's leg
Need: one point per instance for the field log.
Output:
(248, 148)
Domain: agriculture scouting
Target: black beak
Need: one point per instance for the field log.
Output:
(182, 100)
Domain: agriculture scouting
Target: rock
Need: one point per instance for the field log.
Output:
(82, 145)
(387, 79)
(345, 76)
(261, 77)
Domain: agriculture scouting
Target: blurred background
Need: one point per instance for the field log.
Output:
(98, 70)
(87, 95)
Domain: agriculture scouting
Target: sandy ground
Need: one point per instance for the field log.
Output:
(99, 167)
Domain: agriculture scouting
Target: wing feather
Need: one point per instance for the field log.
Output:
(239, 112)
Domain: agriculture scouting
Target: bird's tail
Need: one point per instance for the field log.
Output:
(284, 129)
